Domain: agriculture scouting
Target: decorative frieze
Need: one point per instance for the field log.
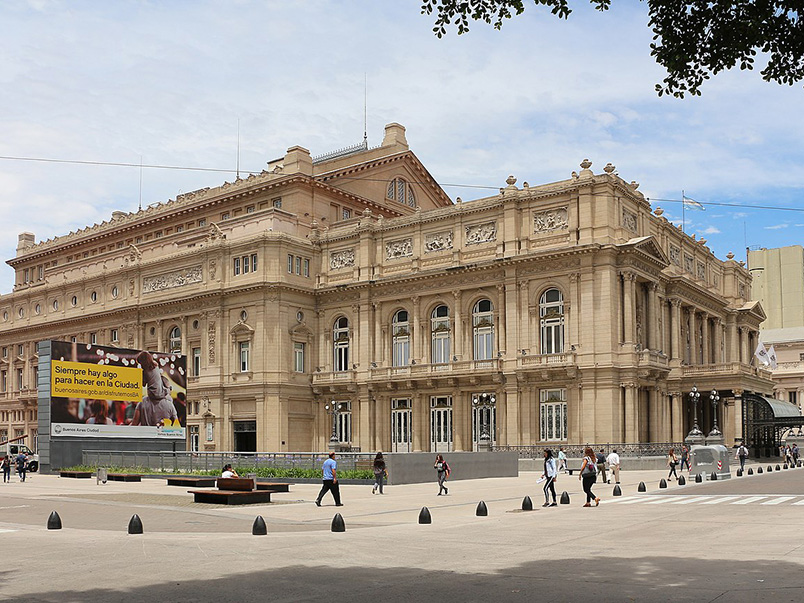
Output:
(675, 255)
(438, 242)
(342, 259)
(399, 249)
(554, 219)
(170, 280)
(211, 341)
(701, 271)
(629, 220)
(481, 233)
(688, 263)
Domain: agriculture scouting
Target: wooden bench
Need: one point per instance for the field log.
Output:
(124, 477)
(195, 482)
(273, 487)
(232, 491)
(76, 474)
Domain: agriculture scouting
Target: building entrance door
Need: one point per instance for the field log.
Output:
(401, 415)
(484, 425)
(245, 436)
(441, 425)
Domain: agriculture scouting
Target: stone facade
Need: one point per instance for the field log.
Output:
(348, 297)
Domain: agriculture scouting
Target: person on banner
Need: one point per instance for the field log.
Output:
(100, 413)
(742, 456)
(157, 405)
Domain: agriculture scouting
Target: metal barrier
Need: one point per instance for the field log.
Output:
(576, 450)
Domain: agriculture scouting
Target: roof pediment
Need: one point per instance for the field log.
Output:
(649, 247)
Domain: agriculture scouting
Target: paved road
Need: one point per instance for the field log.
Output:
(649, 550)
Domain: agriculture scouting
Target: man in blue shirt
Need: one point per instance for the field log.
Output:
(330, 481)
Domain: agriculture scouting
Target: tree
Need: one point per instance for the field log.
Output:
(692, 39)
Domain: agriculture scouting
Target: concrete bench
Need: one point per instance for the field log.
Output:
(195, 482)
(124, 477)
(231, 497)
(76, 474)
(273, 487)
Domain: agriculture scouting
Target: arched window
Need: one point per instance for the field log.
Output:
(174, 339)
(483, 330)
(440, 330)
(400, 339)
(551, 321)
(340, 344)
(400, 190)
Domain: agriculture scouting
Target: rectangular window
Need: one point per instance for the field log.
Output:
(20, 384)
(35, 382)
(298, 357)
(115, 335)
(194, 437)
(225, 216)
(793, 397)
(210, 432)
(202, 222)
(20, 350)
(343, 422)
(254, 262)
(25, 276)
(347, 213)
(553, 414)
(250, 209)
(246, 264)
(180, 228)
(4, 381)
(5, 353)
(236, 269)
(244, 356)
(196, 362)
(290, 264)
(298, 265)
(277, 203)
(41, 273)
(306, 267)
(158, 234)
(93, 338)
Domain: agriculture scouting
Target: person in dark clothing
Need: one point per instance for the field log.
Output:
(589, 476)
(379, 473)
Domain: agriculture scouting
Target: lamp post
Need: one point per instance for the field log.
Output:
(695, 436)
(334, 409)
(484, 402)
(715, 436)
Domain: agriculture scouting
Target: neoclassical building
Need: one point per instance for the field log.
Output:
(348, 297)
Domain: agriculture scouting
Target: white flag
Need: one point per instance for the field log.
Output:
(692, 204)
(762, 354)
(772, 358)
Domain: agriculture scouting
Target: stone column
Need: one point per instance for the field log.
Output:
(693, 360)
(417, 333)
(631, 412)
(677, 413)
(421, 423)
(458, 329)
(572, 313)
(159, 337)
(675, 330)
(705, 357)
(652, 319)
(183, 322)
(502, 318)
(461, 415)
(629, 284)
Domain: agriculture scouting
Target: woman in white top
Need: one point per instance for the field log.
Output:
(550, 474)
(228, 471)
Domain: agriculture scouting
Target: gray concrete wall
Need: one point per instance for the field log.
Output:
(626, 464)
(417, 467)
(66, 452)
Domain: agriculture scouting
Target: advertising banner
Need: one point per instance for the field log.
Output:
(99, 391)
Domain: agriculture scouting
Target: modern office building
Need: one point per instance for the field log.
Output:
(778, 284)
(348, 297)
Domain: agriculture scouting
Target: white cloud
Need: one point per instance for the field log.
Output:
(776, 226)
(711, 230)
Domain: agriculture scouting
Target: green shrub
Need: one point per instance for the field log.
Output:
(267, 472)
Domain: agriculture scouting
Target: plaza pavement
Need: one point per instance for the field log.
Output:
(699, 542)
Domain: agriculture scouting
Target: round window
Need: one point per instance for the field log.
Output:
(115, 291)
(55, 304)
(195, 324)
(38, 309)
(299, 316)
(243, 315)
(93, 296)
(74, 300)
(153, 331)
(5, 315)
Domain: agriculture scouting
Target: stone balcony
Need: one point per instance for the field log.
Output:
(724, 369)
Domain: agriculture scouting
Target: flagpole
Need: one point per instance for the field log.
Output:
(683, 207)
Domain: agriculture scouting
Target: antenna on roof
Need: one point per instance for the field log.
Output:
(238, 148)
(140, 208)
(365, 110)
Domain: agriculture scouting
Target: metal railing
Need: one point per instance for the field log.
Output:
(188, 462)
(576, 450)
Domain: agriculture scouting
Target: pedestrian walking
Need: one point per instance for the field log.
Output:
(22, 465)
(742, 455)
(549, 476)
(600, 459)
(443, 469)
(795, 452)
(614, 465)
(788, 455)
(6, 465)
(589, 476)
(562, 460)
(672, 462)
(379, 473)
(330, 477)
(685, 458)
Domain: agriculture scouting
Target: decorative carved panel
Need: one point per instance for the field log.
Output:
(675, 255)
(481, 233)
(554, 219)
(170, 280)
(688, 263)
(629, 220)
(438, 242)
(701, 271)
(399, 249)
(342, 259)
(211, 342)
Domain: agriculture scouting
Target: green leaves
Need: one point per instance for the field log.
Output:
(693, 39)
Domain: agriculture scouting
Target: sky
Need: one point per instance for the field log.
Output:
(170, 83)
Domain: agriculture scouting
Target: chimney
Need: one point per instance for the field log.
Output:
(298, 160)
(395, 136)
(24, 241)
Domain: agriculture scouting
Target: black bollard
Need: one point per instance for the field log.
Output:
(759, 470)
(798, 463)
(482, 510)
(770, 469)
(259, 528)
(135, 525)
(713, 476)
(617, 491)
(338, 524)
(527, 504)
(750, 471)
(424, 516)
(663, 483)
(778, 468)
(698, 478)
(54, 521)
(785, 467)
(565, 498)
(682, 480)
(641, 487)
(739, 472)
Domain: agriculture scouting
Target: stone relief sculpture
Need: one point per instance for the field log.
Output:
(438, 242)
(211, 341)
(481, 233)
(178, 278)
(398, 249)
(342, 259)
(701, 271)
(554, 219)
(629, 220)
(688, 263)
(675, 255)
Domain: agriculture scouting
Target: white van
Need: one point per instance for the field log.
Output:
(12, 450)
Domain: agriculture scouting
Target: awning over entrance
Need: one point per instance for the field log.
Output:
(765, 420)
